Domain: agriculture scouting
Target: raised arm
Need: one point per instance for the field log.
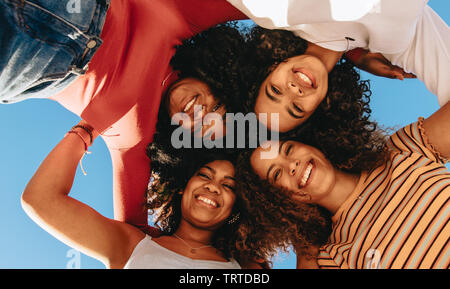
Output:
(437, 130)
(46, 201)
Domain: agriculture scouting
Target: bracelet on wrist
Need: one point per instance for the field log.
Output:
(86, 129)
(72, 131)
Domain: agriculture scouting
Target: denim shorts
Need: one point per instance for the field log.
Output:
(46, 44)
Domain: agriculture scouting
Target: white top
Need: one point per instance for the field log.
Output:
(328, 22)
(150, 255)
(408, 32)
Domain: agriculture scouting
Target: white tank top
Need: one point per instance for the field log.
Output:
(150, 255)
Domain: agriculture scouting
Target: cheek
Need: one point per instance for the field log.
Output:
(324, 183)
(287, 183)
(171, 102)
(229, 201)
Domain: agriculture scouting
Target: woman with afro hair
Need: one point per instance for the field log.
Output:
(387, 211)
(171, 171)
(200, 217)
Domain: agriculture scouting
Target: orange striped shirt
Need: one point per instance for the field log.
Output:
(398, 214)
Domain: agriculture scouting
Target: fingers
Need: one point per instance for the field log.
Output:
(409, 75)
(399, 73)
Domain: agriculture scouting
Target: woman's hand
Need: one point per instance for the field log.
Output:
(376, 64)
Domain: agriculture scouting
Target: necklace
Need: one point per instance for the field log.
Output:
(193, 250)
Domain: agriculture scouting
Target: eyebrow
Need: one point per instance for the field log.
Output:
(214, 171)
(273, 165)
(273, 98)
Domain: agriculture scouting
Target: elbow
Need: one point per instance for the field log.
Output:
(32, 201)
(27, 201)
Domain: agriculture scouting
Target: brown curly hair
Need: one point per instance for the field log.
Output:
(277, 221)
(340, 127)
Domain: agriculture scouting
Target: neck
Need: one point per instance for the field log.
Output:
(344, 186)
(194, 235)
(328, 57)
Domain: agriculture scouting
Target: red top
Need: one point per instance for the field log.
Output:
(121, 92)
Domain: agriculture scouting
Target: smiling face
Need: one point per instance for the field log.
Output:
(209, 197)
(194, 98)
(297, 167)
(294, 89)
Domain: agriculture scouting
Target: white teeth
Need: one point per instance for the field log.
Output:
(207, 201)
(304, 78)
(306, 174)
(189, 105)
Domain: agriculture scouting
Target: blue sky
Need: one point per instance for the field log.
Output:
(30, 130)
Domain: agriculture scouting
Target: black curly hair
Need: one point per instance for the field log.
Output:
(340, 127)
(213, 57)
(171, 171)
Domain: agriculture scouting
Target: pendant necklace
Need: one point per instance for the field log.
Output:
(193, 250)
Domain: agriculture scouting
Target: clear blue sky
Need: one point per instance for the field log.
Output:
(32, 128)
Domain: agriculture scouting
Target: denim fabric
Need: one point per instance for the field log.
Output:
(46, 44)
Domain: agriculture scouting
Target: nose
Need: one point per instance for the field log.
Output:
(212, 188)
(293, 167)
(294, 88)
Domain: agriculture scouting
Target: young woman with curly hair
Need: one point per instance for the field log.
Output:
(391, 215)
(332, 109)
(171, 171)
(198, 210)
(111, 66)
(207, 66)
(411, 36)
(291, 77)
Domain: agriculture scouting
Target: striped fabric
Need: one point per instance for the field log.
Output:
(398, 215)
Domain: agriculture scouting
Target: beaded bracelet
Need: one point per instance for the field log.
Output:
(77, 133)
(87, 129)
(85, 148)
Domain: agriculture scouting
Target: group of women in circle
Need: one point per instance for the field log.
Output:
(339, 190)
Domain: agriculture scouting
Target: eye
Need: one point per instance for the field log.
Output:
(216, 107)
(276, 90)
(276, 175)
(297, 108)
(203, 175)
(288, 149)
(228, 186)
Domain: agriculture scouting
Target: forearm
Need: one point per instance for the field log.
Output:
(46, 201)
(55, 175)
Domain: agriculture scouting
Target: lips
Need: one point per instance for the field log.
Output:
(305, 177)
(207, 201)
(305, 78)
